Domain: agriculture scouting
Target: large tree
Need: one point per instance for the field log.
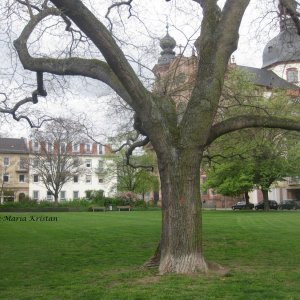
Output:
(178, 142)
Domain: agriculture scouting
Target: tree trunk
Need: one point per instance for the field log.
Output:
(266, 200)
(181, 238)
(246, 196)
(56, 198)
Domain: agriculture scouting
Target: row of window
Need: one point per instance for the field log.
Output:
(63, 147)
(88, 179)
(6, 178)
(36, 178)
(36, 195)
(77, 163)
(22, 162)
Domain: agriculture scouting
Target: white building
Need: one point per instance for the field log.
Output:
(98, 173)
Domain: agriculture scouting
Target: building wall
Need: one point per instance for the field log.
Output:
(105, 180)
(15, 171)
(281, 70)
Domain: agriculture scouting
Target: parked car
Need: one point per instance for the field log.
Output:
(289, 204)
(242, 205)
(272, 203)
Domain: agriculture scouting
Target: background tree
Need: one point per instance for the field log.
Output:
(54, 162)
(138, 177)
(257, 161)
(231, 177)
(179, 143)
(252, 158)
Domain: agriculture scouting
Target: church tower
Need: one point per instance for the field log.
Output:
(175, 74)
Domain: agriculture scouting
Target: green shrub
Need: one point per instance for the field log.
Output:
(25, 204)
(78, 203)
(139, 203)
(82, 204)
(88, 194)
(94, 194)
(99, 195)
(99, 202)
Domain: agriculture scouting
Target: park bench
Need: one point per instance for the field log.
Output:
(126, 207)
(98, 208)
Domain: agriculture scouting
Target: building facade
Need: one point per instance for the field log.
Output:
(14, 182)
(20, 179)
(97, 172)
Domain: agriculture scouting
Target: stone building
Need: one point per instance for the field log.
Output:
(20, 180)
(14, 182)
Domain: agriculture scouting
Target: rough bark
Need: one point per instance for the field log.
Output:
(181, 239)
(266, 199)
(246, 195)
(56, 198)
(153, 261)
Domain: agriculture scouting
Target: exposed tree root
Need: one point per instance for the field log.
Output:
(153, 261)
(188, 264)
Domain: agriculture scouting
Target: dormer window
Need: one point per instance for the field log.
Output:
(100, 149)
(35, 146)
(292, 75)
(6, 161)
(76, 147)
(270, 49)
(88, 148)
(63, 147)
(49, 147)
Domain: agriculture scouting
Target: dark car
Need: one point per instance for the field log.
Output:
(242, 205)
(289, 204)
(272, 203)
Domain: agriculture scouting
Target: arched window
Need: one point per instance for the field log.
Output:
(292, 75)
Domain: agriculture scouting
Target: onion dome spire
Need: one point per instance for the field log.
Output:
(167, 44)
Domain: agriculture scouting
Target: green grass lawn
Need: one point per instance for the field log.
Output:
(98, 256)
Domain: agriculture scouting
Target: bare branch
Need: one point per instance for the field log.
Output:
(289, 7)
(40, 91)
(30, 6)
(92, 68)
(130, 150)
(103, 40)
(128, 3)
